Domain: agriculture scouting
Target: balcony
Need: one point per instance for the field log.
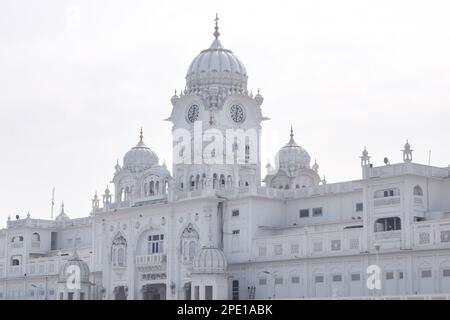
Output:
(388, 235)
(388, 201)
(151, 262)
(42, 268)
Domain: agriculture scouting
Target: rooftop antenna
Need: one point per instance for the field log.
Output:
(53, 203)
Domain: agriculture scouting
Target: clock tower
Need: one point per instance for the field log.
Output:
(216, 124)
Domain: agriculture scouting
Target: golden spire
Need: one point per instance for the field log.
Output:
(216, 28)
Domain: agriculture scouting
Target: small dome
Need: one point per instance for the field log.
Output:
(210, 260)
(292, 156)
(62, 215)
(140, 157)
(216, 66)
(78, 263)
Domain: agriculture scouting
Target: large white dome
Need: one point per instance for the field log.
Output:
(216, 66)
(210, 260)
(140, 157)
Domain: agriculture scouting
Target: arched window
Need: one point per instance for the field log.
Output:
(418, 191)
(119, 251)
(157, 187)
(127, 193)
(286, 187)
(120, 257)
(204, 180)
(222, 181)
(189, 243)
(229, 182)
(36, 237)
(246, 183)
(388, 224)
(192, 249)
(197, 181)
(280, 187)
(214, 181)
(191, 183)
(16, 260)
(151, 188)
(145, 189)
(297, 186)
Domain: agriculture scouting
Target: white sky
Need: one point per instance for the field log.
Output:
(74, 92)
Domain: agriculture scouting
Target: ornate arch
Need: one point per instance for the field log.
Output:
(119, 250)
(189, 242)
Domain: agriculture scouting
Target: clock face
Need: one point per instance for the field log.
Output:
(237, 113)
(193, 113)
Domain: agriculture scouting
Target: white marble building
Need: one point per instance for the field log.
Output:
(222, 231)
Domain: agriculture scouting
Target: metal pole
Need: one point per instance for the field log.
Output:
(273, 275)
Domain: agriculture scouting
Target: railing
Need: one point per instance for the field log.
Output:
(15, 271)
(47, 223)
(42, 268)
(150, 261)
(388, 235)
(431, 234)
(388, 201)
(406, 168)
(308, 244)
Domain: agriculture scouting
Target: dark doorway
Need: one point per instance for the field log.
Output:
(154, 292)
(187, 291)
(120, 293)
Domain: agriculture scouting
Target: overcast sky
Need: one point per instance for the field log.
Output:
(79, 78)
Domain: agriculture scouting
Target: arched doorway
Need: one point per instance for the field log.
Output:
(120, 293)
(154, 292)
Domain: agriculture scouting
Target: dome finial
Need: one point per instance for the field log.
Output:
(292, 132)
(141, 135)
(216, 28)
